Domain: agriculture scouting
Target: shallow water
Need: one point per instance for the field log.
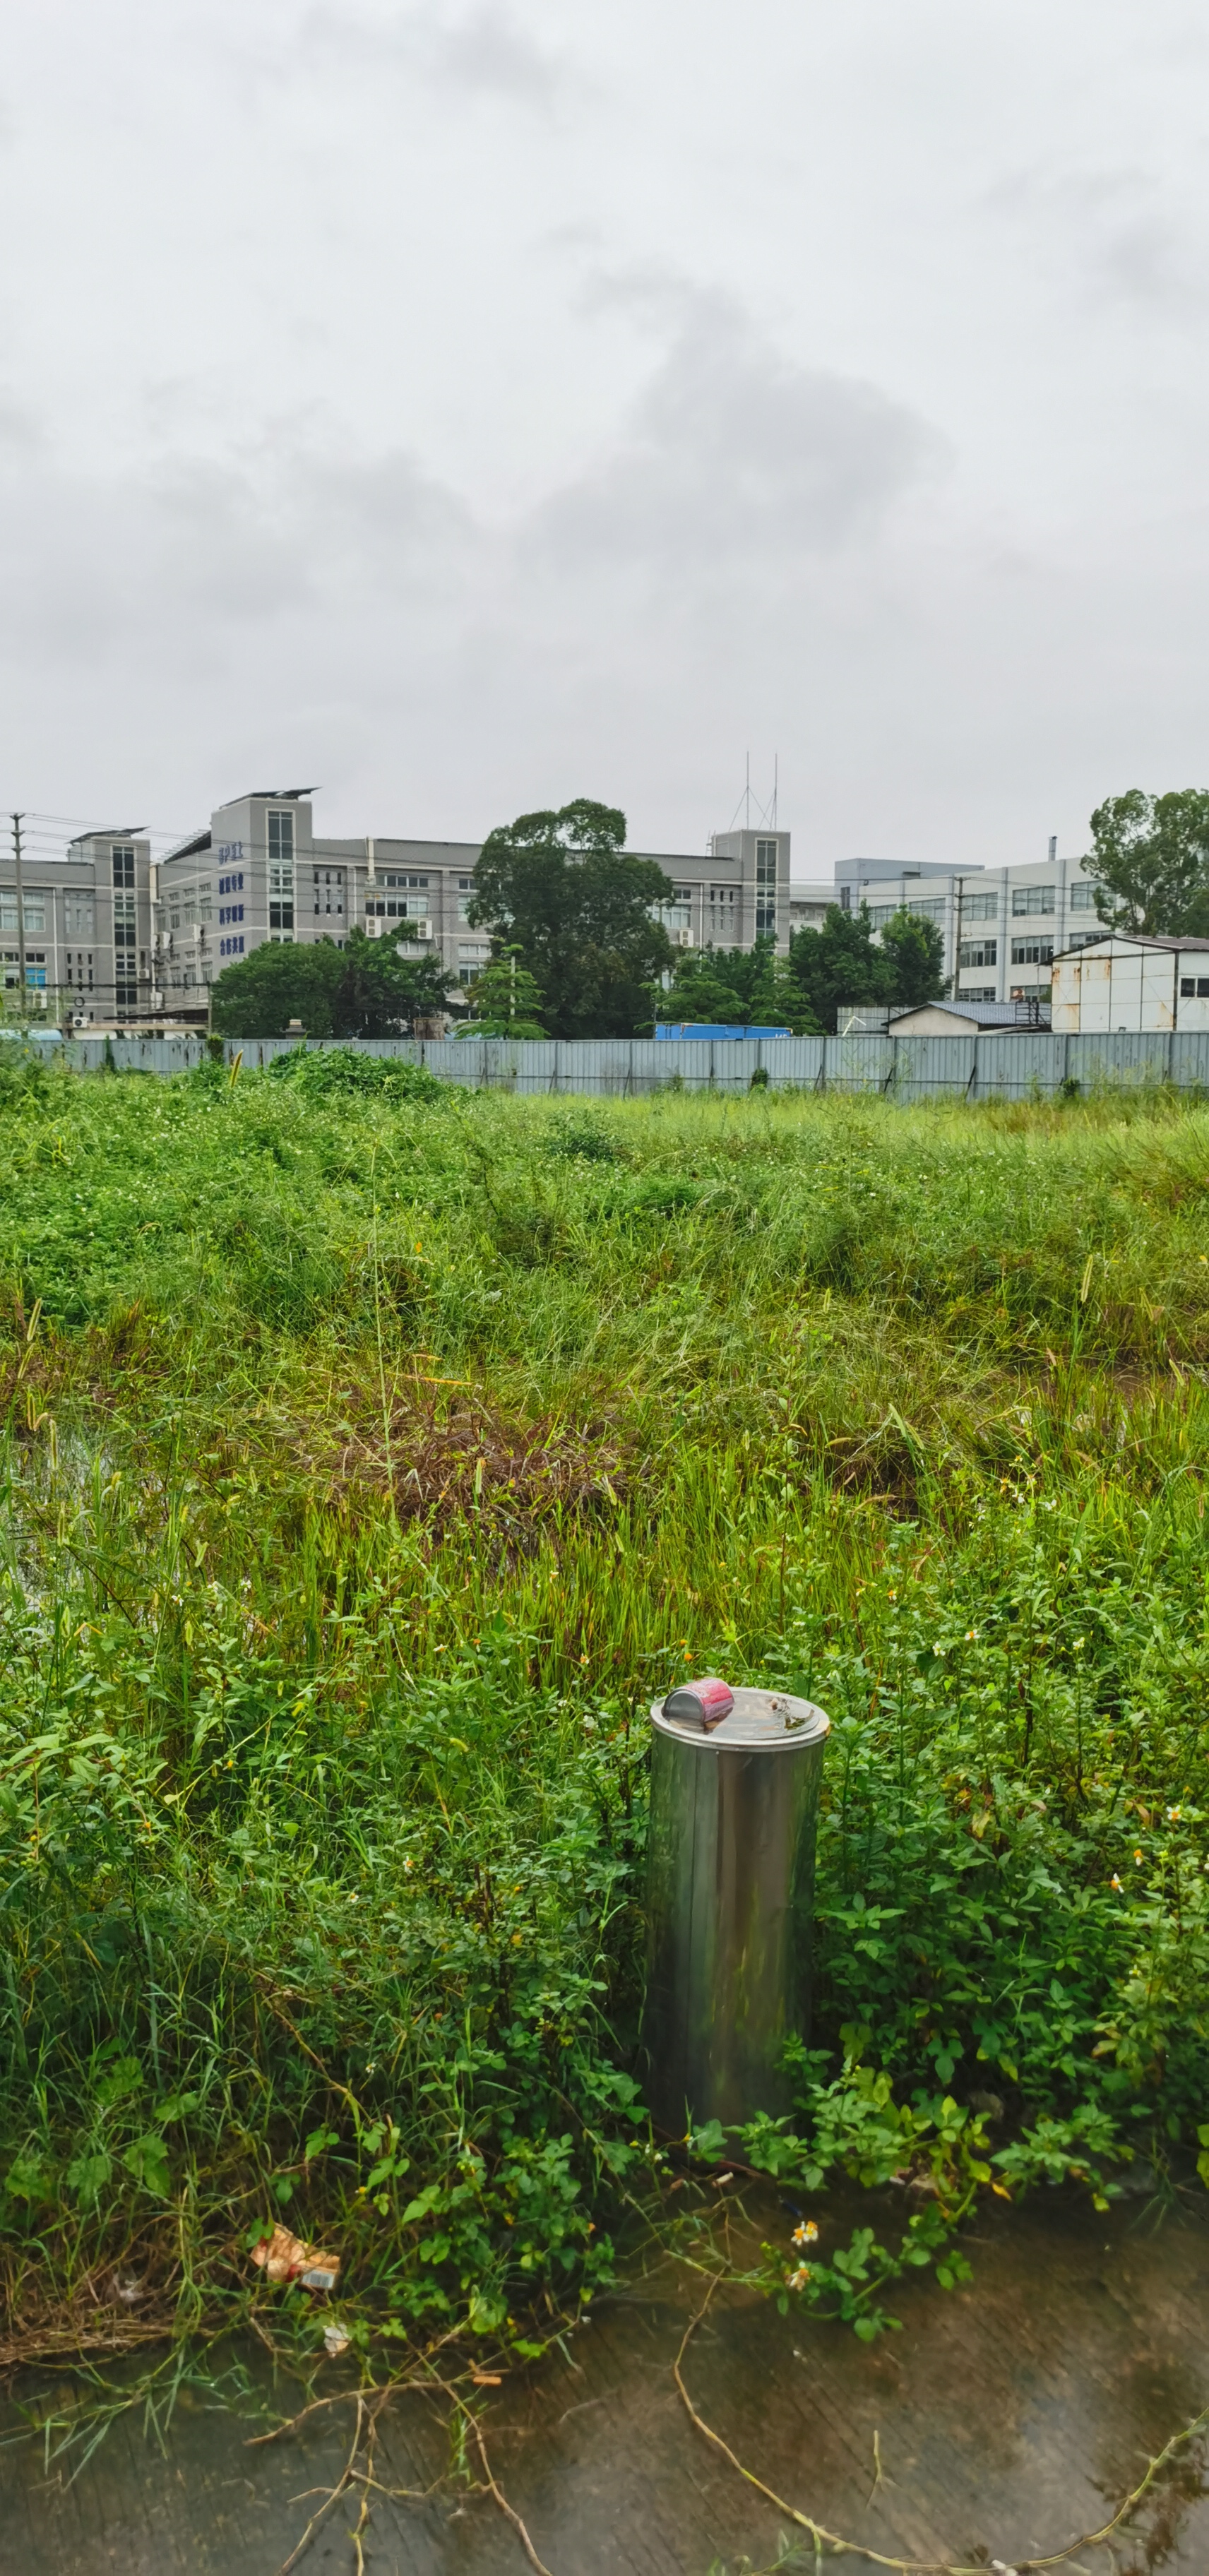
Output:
(1007, 2418)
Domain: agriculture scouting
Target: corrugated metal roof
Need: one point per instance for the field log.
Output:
(1131, 939)
(980, 1015)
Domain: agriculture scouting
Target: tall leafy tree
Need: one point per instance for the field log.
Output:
(561, 888)
(363, 990)
(915, 950)
(1150, 860)
(840, 963)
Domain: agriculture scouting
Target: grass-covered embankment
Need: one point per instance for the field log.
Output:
(372, 1458)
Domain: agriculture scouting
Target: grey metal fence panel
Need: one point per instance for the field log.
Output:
(156, 1055)
(646, 1063)
(795, 1062)
(735, 1061)
(933, 1068)
(1122, 1061)
(453, 1059)
(1190, 1061)
(1013, 1064)
(858, 1064)
(601, 1067)
(537, 1065)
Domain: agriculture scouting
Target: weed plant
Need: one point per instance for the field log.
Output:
(372, 1455)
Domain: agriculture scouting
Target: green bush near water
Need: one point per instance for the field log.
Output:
(373, 1456)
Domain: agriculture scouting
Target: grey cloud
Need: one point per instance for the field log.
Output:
(1109, 230)
(478, 52)
(733, 452)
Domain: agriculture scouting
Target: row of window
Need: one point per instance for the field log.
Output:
(35, 969)
(1194, 987)
(1081, 897)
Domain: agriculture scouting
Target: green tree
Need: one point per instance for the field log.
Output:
(505, 1001)
(740, 985)
(382, 995)
(1150, 861)
(363, 990)
(840, 963)
(915, 949)
(562, 889)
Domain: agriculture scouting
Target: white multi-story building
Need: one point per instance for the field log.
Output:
(1007, 923)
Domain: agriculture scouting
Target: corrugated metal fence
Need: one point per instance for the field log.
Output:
(1004, 1065)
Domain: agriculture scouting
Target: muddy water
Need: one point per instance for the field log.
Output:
(1004, 2420)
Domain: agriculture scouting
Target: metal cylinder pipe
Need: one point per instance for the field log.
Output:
(730, 1889)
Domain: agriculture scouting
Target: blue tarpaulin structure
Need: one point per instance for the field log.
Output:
(713, 1029)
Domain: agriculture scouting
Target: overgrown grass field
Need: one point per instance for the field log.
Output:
(373, 1454)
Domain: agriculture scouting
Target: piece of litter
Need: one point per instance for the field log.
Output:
(283, 2257)
(486, 2378)
(335, 2340)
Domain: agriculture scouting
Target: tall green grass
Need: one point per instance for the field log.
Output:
(373, 1455)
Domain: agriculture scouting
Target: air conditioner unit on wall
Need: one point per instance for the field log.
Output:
(684, 939)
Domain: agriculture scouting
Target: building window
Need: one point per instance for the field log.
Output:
(1194, 988)
(678, 914)
(329, 891)
(123, 866)
(976, 993)
(723, 912)
(1032, 899)
(980, 952)
(766, 887)
(34, 907)
(281, 841)
(231, 884)
(465, 896)
(35, 970)
(230, 912)
(398, 907)
(1082, 896)
(1032, 952)
(980, 907)
(281, 916)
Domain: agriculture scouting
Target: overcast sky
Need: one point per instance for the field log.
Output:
(463, 407)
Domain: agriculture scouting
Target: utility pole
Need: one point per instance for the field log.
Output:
(961, 888)
(17, 821)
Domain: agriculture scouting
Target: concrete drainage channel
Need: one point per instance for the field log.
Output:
(1002, 2422)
